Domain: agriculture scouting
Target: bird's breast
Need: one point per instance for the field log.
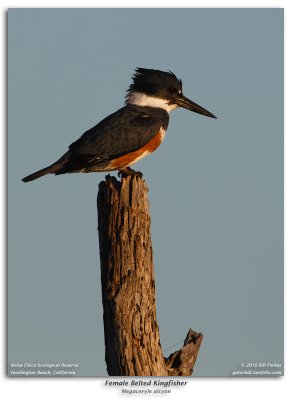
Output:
(134, 156)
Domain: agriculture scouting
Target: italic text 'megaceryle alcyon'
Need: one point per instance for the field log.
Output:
(129, 134)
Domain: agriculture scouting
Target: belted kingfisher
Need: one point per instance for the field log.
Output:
(129, 134)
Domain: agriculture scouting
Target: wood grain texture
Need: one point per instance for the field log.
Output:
(132, 342)
(182, 361)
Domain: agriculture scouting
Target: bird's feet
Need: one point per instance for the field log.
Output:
(123, 172)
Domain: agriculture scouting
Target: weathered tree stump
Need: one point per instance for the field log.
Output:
(132, 343)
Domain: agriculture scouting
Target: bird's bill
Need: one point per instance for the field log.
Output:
(184, 102)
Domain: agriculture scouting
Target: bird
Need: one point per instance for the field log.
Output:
(129, 134)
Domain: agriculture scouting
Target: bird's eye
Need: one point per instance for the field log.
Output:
(172, 90)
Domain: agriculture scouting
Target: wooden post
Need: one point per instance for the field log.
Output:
(132, 343)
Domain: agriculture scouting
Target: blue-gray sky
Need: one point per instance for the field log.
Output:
(215, 186)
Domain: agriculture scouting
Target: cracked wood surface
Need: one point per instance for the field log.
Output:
(132, 342)
(182, 361)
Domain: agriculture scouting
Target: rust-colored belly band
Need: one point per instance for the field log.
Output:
(134, 156)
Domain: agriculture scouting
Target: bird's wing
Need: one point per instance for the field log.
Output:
(128, 129)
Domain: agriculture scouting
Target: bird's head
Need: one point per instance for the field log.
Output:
(154, 88)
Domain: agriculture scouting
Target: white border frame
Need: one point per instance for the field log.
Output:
(202, 388)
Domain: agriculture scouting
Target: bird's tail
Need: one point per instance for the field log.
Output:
(38, 174)
(51, 169)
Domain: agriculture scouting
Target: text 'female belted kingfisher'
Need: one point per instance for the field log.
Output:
(129, 134)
